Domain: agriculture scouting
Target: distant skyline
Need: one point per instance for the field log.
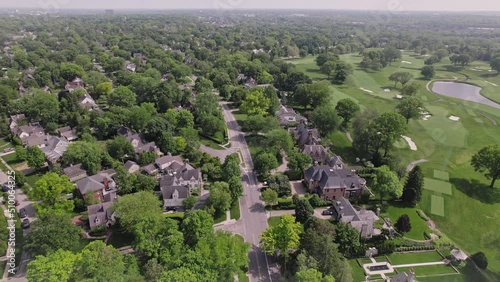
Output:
(382, 5)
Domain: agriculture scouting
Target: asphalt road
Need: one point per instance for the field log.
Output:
(253, 213)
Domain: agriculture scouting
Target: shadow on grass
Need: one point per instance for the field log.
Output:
(488, 75)
(477, 190)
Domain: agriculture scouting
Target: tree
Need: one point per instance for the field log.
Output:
(41, 106)
(21, 153)
(298, 161)
(274, 101)
(401, 77)
(386, 182)
(147, 157)
(264, 162)
(270, 197)
(410, 108)
(328, 68)
(303, 211)
(51, 232)
(152, 270)
(388, 128)
(132, 209)
(99, 260)
(103, 88)
(403, 224)
(428, 72)
(54, 267)
(347, 238)
(487, 161)
(235, 188)
(51, 189)
(120, 147)
(312, 275)
(255, 103)
(281, 184)
(391, 53)
(412, 191)
(197, 225)
(313, 95)
(70, 71)
(315, 201)
(282, 238)
(231, 167)
(410, 89)
(122, 97)
(278, 140)
(189, 202)
(35, 157)
(342, 71)
(260, 123)
(480, 260)
(179, 274)
(158, 237)
(219, 199)
(325, 118)
(495, 64)
(347, 109)
(86, 153)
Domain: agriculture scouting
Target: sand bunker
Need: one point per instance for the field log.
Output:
(426, 117)
(454, 118)
(406, 62)
(410, 142)
(366, 90)
(491, 83)
(387, 90)
(399, 96)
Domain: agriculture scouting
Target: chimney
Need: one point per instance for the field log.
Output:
(411, 275)
(106, 183)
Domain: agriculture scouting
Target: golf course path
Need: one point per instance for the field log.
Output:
(490, 119)
(347, 134)
(414, 163)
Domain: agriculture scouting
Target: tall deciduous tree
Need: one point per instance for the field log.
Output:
(270, 197)
(132, 209)
(312, 275)
(386, 182)
(410, 89)
(347, 109)
(122, 97)
(428, 72)
(86, 153)
(283, 237)
(348, 239)
(219, 199)
(120, 147)
(263, 164)
(54, 267)
(325, 118)
(35, 157)
(255, 103)
(388, 128)
(51, 189)
(52, 231)
(412, 191)
(410, 108)
(196, 226)
(487, 161)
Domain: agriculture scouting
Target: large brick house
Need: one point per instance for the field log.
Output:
(333, 180)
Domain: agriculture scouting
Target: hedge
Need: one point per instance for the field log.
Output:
(422, 215)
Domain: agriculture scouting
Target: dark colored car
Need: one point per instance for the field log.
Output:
(5, 188)
(22, 213)
(327, 212)
(25, 224)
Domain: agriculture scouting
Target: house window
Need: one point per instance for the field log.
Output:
(333, 198)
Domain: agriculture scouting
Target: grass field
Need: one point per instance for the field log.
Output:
(235, 211)
(437, 186)
(418, 226)
(407, 258)
(429, 270)
(472, 211)
(273, 220)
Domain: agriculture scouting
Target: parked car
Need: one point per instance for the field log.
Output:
(327, 212)
(22, 213)
(25, 224)
(8, 150)
(5, 188)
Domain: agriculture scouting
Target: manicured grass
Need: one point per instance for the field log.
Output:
(415, 257)
(273, 220)
(210, 143)
(437, 186)
(418, 226)
(235, 211)
(437, 205)
(358, 274)
(11, 159)
(443, 175)
(428, 270)
(472, 209)
(33, 178)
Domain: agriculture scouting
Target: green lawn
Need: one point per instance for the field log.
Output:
(33, 178)
(273, 220)
(472, 210)
(358, 274)
(12, 160)
(406, 258)
(235, 211)
(429, 270)
(211, 144)
(418, 226)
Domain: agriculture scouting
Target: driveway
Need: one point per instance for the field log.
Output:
(298, 188)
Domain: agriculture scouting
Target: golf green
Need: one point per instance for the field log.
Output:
(437, 186)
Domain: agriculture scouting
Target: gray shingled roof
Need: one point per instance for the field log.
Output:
(361, 220)
(55, 148)
(99, 214)
(74, 171)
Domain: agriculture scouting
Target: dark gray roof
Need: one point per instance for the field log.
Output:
(317, 152)
(179, 176)
(334, 178)
(74, 171)
(130, 164)
(94, 183)
(55, 148)
(63, 129)
(173, 196)
(361, 220)
(160, 162)
(287, 115)
(306, 136)
(99, 214)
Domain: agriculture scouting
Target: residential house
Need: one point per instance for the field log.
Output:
(39, 141)
(73, 85)
(132, 167)
(403, 277)
(173, 196)
(305, 136)
(75, 172)
(333, 181)
(54, 149)
(130, 66)
(318, 153)
(139, 142)
(68, 133)
(101, 187)
(140, 55)
(288, 117)
(16, 121)
(100, 215)
(362, 220)
(88, 102)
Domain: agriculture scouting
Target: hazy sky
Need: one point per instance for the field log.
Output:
(388, 5)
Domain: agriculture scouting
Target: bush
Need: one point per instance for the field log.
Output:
(285, 204)
(422, 215)
(315, 201)
(480, 260)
